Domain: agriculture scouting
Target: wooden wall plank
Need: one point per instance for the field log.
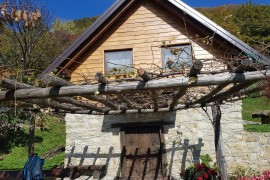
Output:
(142, 29)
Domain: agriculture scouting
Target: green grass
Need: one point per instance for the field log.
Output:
(257, 127)
(52, 137)
(251, 105)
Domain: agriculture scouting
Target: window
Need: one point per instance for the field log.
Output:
(178, 56)
(121, 59)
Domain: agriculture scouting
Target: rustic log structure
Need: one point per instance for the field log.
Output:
(118, 98)
(145, 57)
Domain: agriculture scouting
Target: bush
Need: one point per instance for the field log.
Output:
(201, 171)
(264, 176)
(10, 132)
(241, 172)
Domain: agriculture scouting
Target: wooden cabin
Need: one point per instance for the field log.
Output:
(163, 38)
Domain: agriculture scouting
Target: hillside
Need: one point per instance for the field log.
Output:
(83, 24)
(249, 22)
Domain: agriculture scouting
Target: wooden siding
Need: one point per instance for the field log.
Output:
(142, 29)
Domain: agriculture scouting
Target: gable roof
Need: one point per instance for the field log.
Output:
(200, 19)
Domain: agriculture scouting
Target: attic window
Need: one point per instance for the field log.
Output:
(177, 56)
(118, 60)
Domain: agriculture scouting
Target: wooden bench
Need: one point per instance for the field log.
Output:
(264, 115)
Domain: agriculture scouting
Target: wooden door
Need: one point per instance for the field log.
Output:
(144, 156)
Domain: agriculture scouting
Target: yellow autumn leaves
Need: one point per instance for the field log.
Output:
(11, 14)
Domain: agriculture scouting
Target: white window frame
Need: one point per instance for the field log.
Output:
(115, 62)
(182, 58)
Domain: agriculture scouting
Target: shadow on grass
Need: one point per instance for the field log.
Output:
(14, 137)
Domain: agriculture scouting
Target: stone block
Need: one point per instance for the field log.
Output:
(253, 146)
(264, 141)
(238, 137)
(237, 145)
(266, 152)
(252, 138)
(203, 125)
(253, 157)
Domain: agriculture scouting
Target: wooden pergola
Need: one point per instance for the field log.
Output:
(148, 94)
(143, 95)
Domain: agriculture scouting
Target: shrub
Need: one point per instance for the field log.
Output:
(241, 171)
(245, 173)
(201, 171)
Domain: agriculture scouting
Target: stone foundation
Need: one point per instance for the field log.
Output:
(92, 141)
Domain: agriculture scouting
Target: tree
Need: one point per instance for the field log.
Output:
(253, 21)
(23, 23)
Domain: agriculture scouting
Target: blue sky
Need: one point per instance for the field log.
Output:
(74, 9)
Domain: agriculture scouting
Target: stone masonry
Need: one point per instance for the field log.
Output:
(92, 141)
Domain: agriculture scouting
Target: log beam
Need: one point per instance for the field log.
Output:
(133, 111)
(211, 94)
(130, 104)
(18, 85)
(80, 104)
(229, 92)
(258, 87)
(55, 81)
(132, 86)
(177, 96)
(102, 101)
(44, 103)
(12, 84)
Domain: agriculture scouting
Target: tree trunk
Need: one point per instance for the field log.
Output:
(32, 133)
(216, 113)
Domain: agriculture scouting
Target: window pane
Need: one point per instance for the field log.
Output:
(180, 56)
(118, 59)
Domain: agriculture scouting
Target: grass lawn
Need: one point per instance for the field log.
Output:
(257, 127)
(251, 105)
(52, 137)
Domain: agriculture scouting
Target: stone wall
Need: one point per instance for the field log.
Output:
(90, 139)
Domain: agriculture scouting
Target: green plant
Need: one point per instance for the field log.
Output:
(257, 127)
(241, 171)
(11, 131)
(201, 171)
(51, 137)
(206, 159)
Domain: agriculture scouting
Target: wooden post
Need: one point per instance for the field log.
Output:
(99, 77)
(245, 63)
(32, 134)
(155, 99)
(221, 162)
(177, 96)
(143, 74)
(196, 68)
